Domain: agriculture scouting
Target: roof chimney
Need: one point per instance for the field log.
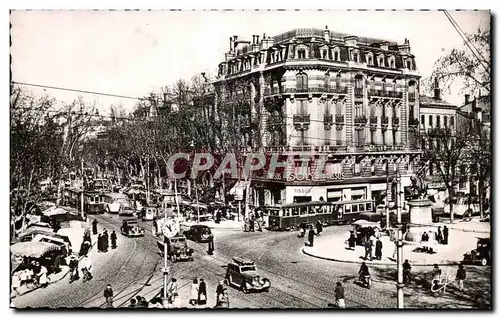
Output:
(230, 44)
(437, 90)
(253, 39)
(257, 39)
(467, 99)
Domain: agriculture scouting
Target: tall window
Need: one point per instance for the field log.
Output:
(411, 91)
(358, 86)
(338, 83)
(445, 119)
(430, 121)
(452, 121)
(324, 54)
(422, 121)
(408, 64)
(301, 82)
(327, 81)
(381, 61)
(438, 121)
(336, 55)
(301, 54)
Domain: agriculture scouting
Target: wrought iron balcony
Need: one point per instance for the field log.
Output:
(358, 92)
(328, 121)
(361, 120)
(395, 121)
(373, 120)
(301, 122)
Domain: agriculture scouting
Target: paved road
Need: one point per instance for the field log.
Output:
(298, 281)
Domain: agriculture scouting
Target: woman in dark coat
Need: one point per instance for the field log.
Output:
(311, 237)
(352, 241)
(202, 293)
(99, 243)
(439, 235)
(94, 227)
(113, 240)
(105, 241)
(378, 249)
(319, 226)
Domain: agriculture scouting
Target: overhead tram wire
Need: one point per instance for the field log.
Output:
(450, 17)
(464, 38)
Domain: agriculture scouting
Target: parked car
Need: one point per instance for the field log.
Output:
(482, 253)
(130, 227)
(199, 233)
(177, 249)
(242, 273)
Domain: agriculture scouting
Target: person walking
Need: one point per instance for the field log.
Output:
(460, 276)
(378, 249)
(352, 241)
(108, 295)
(339, 295)
(445, 235)
(439, 237)
(73, 268)
(94, 226)
(42, 277)
(368, 250)
(211, 246)
(86, 268)
(202, 293)
(193, 300)
(172, 290)
(406, 272)
(302, 229)
(219, 292)
(310, 237)
(105, 241)
(16, 284)
(319, 226)
(99, 243)
(113, 240)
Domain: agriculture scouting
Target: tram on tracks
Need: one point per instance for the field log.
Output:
(92, 200)
(290, 216)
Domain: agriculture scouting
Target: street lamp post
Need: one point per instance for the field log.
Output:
(387, 225)
(400, 283)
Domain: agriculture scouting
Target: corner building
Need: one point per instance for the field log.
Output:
(314, 91)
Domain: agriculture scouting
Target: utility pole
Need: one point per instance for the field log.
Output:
(400, 283)
(82, 196)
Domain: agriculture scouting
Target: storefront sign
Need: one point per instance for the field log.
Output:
(312, 177)
(302, 191)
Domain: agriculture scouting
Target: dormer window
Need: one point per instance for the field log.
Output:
(324, 54)
(408, 64)
(336, 54)
(355, 55)
(369, 59)
(392, 62)
(381, 61)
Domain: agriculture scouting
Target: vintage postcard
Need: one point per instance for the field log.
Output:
(250, 159)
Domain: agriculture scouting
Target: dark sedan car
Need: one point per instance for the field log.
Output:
(199, 233)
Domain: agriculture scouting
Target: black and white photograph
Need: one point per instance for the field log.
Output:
(250, 159)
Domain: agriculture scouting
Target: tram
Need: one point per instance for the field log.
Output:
(92, 200)
(290, 216)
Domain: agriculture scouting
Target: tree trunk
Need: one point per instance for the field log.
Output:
(25, 206)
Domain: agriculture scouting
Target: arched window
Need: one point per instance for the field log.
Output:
(369, 59)
(301, 82)
(336, 54)
(381, 61)
(355, 55)
(327, 81)
(392, 62)
(412, 88)
(358, 86)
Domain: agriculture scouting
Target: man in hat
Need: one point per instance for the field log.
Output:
(113, 240)
(94, 226)
(73, 267)
(105, 239)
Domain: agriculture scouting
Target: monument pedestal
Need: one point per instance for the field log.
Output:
(420, 220)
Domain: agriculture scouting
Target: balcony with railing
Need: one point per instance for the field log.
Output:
(317, 89)
(360, 122)
(358, 92)
(301, 122)
(395, 123)
(411, 97)
(373, 122)
(328, 121)
(384, 93)
(339, 121)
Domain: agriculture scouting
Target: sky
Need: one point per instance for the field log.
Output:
(133, 52)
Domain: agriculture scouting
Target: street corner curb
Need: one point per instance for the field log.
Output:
(384, 263)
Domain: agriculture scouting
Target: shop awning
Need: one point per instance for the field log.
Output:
(32, 249)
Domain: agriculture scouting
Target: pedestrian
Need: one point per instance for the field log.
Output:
(94, 226)
(310, 237)
(113, 240)
(302, 229)
(368, 249)
(378, 249)
(73, 267)
(99, 243)
(144, 303)
(202, 293)
(461, 276)
(439, 237)
(219, 292)
(436, 274)
(339, 295)
(105, 240)
(352, 241)
(108, 294)
(217, 217)
(132, 303)
(424, 240)
(319, 227)
(57, 263)
(445, 235)
(252, 222)
(247, 225)
(16, 283)
(193, 300)
(172, 291)
(86, 268)
(42, 277)
(211, 246)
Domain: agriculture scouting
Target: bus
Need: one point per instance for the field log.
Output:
(114, 202)
(290, 216)
(92, 203)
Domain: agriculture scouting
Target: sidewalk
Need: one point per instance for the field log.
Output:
(52, 278)
(335, 248)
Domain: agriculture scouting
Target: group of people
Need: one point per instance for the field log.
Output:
(440, 236)
(198, 295)
(138, 302)
(313, 231)
(84, 265)
(254, 221)
(103, 241)
(34, 273)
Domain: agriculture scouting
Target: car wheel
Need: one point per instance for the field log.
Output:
(244, 288)
(484, 261)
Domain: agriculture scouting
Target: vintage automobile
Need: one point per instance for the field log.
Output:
(148, 213)
(481, 255)
(130, 227)
(199, 233)
(177, 249)
(243, 274)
